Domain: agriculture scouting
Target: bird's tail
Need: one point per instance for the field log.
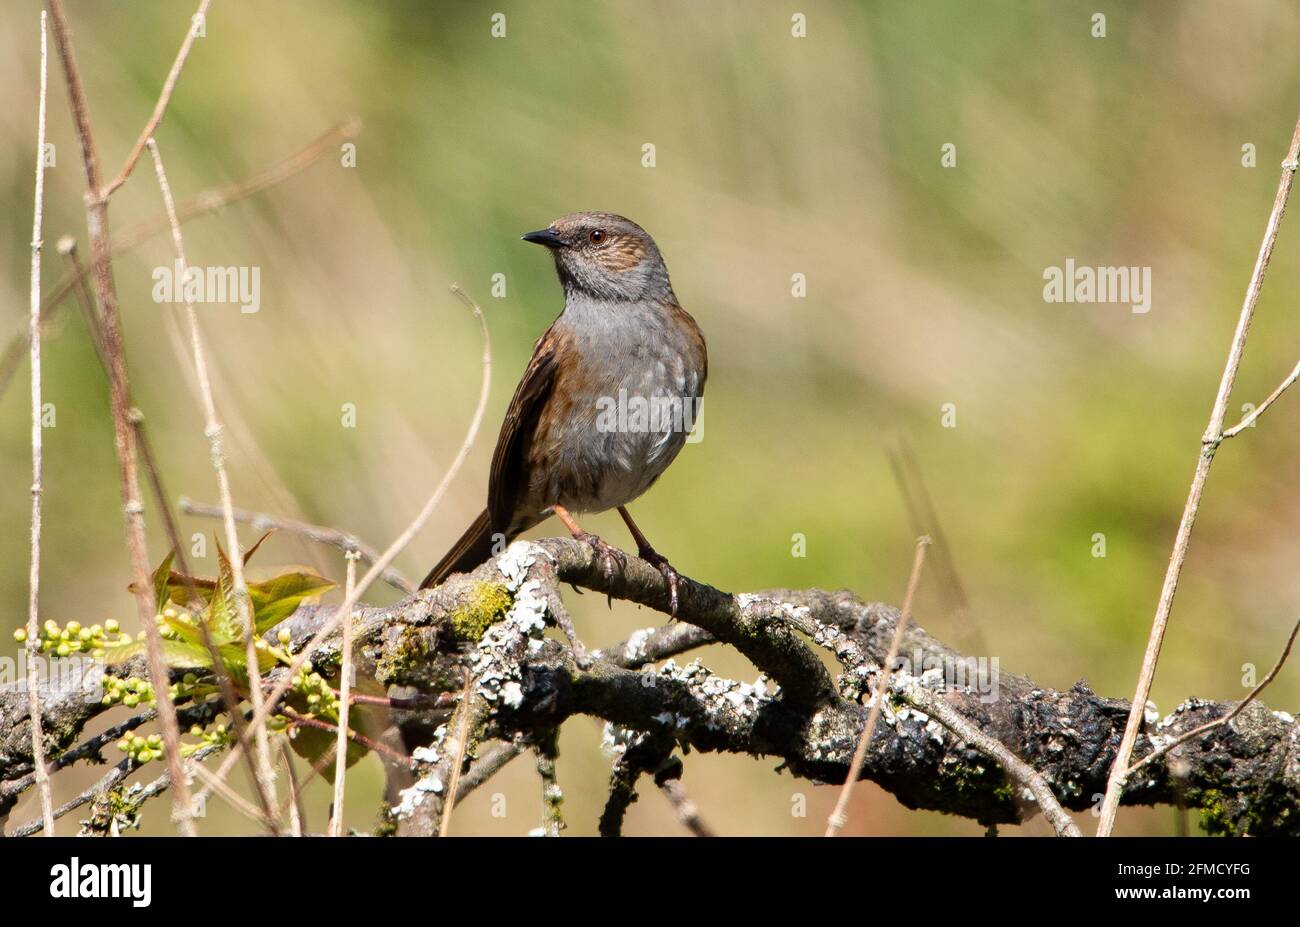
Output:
(474, 546)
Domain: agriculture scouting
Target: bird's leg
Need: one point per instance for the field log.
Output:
(654, 558)
(608, 555)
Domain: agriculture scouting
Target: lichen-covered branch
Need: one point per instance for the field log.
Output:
(1244, 775)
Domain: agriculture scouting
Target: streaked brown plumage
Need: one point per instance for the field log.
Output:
(622, 338)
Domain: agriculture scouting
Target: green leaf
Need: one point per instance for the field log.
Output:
(160, 577)
(178, 590)
(276, 599)
(176, 654)
(223, 618)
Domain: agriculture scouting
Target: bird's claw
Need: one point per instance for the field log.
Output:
(670, 575)
(607, 554)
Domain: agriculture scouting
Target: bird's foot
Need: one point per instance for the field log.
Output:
(670, 575)
(606, 554)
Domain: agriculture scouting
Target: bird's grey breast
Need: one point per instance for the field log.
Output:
(644, 380)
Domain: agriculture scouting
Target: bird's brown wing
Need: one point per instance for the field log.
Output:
(508, 482)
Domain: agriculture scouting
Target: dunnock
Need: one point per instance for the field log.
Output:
(606, 402)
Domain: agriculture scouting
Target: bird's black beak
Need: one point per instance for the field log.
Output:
(545, 237)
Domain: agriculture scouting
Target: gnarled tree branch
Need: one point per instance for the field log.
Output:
(1244, 775)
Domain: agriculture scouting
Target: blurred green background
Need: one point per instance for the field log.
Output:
(774, 156)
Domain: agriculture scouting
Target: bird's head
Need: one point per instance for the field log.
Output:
(605, 256)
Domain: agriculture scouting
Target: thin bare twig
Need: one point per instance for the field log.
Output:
(160, 108)
(1249, 420)
(201, 204)
(547, 751)
(994, 749)
(687, 811)
(34, 574)
(233, 798)
(68, 247)
(839, 817)
(265, 778)
(124, 438)
(925, 520)
(460, 747)
(299, 785)
(260, 521)
(1240, 707)
(293, 804)
(487, 766)
(298, 717)
(399, 544)
(1210, 442)
(114, 776)
(345, 692)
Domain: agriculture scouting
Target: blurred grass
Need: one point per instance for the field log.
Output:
(774, 156)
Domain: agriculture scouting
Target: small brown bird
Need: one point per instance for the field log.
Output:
(611, 392)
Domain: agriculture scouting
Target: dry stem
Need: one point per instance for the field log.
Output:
(34, 576)
(838, 818)
(398, 545)
(260, 521)
(1209, 444)
(265, 777)
(124, 438)
(345, 692)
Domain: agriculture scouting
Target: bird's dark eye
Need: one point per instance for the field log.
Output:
(597, 236)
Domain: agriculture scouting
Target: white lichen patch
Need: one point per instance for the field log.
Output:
(634, 651)
(615, 739)
(425, 754)
(1151, 715)
(512, 694)
(516, 560)
(411, 798)
(496, 661)
(716, 695)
